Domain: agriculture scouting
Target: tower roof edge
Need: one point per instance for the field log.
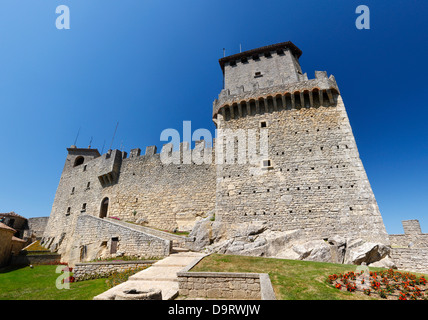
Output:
(288, 44)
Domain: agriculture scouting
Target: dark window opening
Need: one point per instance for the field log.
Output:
(258, 75)
(104, 208)
(78, 161)
(266, 163)
(263, 124)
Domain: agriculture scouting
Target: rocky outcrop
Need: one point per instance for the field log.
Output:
(256, 239)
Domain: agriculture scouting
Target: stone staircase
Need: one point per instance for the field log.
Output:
(178, 242)
(162, 275)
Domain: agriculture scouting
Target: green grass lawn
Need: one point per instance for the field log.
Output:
(39, 283)
(291, 279)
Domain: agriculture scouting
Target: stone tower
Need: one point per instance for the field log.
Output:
(308, 174)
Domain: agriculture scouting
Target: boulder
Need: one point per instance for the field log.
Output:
(386, 262)
(247, 229)
(201, 234)
(337, 241)
(254, 239)
(337, 249)
(367, 252)
(315, 250)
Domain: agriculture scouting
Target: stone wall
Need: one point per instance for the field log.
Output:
(262, 72)
(412, 237)
(94, 237)
(415, 260)
(6, 235)
(27, 259)
(219, 285)
(177, 240)
(168, 197)
(36, 227)
(315, 181)
(411, 227)
(409, 240)
(85, 271)
(224, 285)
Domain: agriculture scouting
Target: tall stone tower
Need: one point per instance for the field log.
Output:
(308, 174)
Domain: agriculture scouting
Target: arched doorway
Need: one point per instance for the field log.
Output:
(78, 161)
(104, 208)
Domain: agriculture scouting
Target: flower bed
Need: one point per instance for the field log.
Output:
(388, 284)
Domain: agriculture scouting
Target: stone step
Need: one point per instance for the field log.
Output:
(161, 275)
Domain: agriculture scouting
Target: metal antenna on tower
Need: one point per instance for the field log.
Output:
(90, 143)
(240, 48)
(224, 52)
(113, 135)
(75, 140)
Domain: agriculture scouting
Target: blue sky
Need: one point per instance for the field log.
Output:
(150, 65)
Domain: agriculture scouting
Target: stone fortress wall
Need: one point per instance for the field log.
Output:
(137, 189)
(410, 250)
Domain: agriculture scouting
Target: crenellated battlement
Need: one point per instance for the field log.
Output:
(317, 92)
(109, 163)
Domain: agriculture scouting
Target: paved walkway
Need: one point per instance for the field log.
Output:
(161, 275)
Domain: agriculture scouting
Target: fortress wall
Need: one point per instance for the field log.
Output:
(62, 220)
(96, 236)
(406, 241)
(36, 226)
(317, 181)
(411, 227)
(411, 259)
(165, 196)
(412, 237)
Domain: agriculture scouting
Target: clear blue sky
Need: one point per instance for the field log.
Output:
(152, 64)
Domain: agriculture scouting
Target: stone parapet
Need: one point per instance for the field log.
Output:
(414, 260)
(225, 285)
(320, 83)
(102, 269)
